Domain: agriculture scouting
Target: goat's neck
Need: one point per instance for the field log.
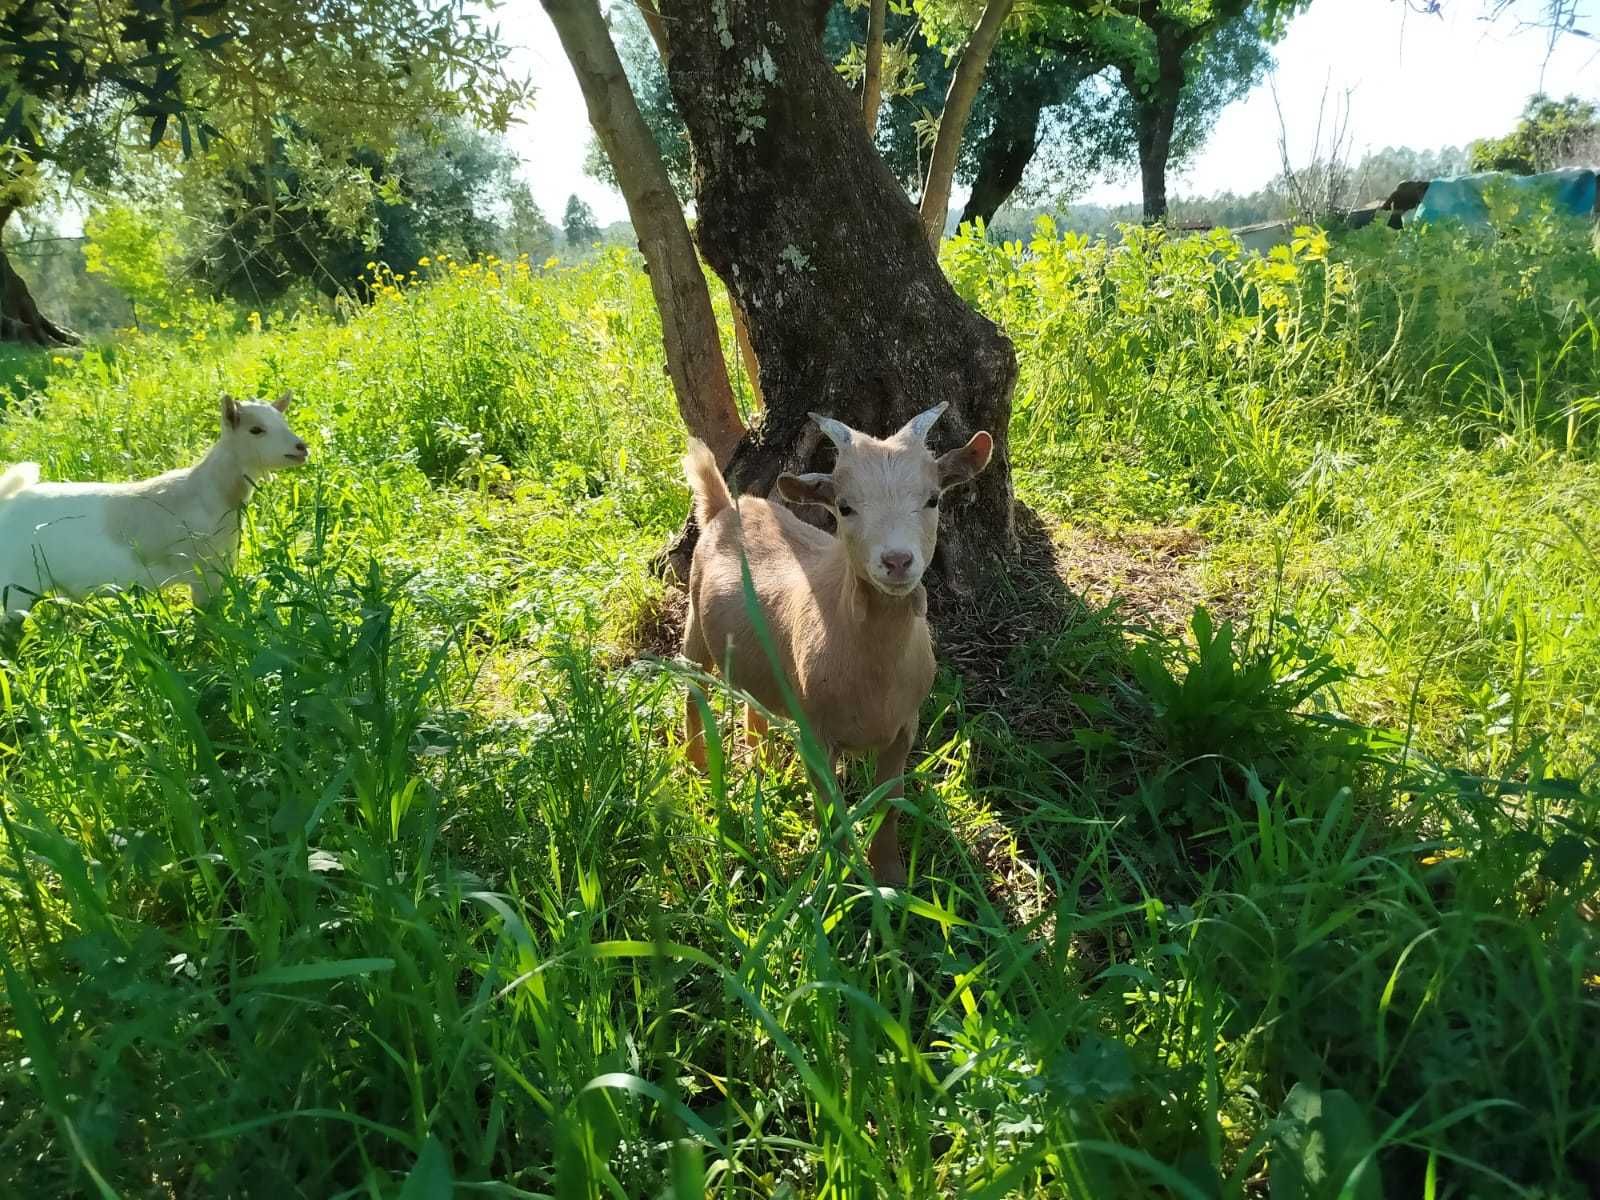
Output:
(220, 477)
(872, 613)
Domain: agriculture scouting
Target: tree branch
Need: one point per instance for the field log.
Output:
(872, 80)
(953, 121)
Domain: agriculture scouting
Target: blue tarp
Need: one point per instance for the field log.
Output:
(1571, 190)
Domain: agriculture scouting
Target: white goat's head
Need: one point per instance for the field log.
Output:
(885, 493)
(259, 436)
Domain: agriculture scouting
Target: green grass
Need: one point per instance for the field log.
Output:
(387, 871)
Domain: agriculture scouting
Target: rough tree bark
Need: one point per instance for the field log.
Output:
(20, 318)
(849, 312)
(872, 76)
(1004, 155)
(953, 120)
(688, 325)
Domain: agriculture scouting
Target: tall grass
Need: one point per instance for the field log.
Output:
(385, 876)
(1395, 428)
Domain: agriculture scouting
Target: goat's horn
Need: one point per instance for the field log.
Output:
(836, 432)
(919, 425)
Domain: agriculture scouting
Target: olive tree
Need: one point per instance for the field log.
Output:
(83, 83)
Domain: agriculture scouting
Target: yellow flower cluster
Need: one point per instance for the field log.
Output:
(388, 283)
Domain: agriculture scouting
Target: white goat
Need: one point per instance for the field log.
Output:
(848, 613)
(183, 526)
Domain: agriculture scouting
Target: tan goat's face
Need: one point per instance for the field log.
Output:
(884, 493)
(260, 435)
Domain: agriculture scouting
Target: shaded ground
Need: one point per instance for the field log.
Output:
(1154, 576)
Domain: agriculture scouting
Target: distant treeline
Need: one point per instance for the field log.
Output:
(1373, 178)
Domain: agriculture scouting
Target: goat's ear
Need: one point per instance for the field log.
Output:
(958, 466)
(806, 489)
(283, 401)
(230, 412)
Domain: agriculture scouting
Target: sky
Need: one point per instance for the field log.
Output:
(1415, 80)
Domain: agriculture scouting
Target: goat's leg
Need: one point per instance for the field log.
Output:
(819, 788)
(888, 867)
(763, 751)
(694, 732)
(204, 586)
(755, 727)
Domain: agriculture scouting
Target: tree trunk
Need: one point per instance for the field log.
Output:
(20, 318)
(1156, 106)
(688, 325)
(849, 312)
(1004, 156)
(953, 120)
(872, 77)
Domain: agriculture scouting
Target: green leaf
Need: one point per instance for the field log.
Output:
(1323, 1147)
(430, 1177)
(341, 968)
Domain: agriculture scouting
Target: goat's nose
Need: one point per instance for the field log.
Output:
(301, 448)
(896, 562)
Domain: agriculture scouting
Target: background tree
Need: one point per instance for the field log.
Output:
(1551, 134)
(1045, 108)
(526, 230)
(1041, 114)
(1175, 58)
(59, 278)
(78, 77)
(872, 65)
(579, 223)
(452, 189)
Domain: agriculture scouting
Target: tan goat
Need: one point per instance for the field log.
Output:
(848, 614)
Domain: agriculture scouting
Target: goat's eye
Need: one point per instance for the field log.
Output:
(846, 511)
(933, 502)
(256, 430)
